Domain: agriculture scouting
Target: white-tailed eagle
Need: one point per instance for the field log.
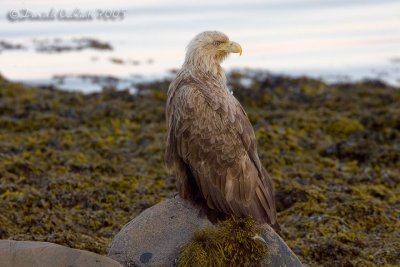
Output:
(211, 142)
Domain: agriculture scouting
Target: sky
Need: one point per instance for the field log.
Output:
(318, 38)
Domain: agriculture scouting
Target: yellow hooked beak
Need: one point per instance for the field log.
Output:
(232, 47)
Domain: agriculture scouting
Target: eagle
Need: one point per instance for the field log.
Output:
(211, 143)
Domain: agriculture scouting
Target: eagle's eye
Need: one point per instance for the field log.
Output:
(217, 43)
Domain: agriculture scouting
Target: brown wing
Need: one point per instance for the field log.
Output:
(211, 139)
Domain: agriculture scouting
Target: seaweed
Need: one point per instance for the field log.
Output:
(75, 168)
(231, 243)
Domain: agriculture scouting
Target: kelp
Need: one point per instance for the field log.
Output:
(76, 167)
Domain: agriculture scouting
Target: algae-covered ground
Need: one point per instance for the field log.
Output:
(75, 168)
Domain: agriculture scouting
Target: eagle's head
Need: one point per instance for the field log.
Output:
(208, 49)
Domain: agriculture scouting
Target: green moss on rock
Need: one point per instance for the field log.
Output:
(231, 243)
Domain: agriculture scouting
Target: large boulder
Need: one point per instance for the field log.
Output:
(44, 254)
(156, 236)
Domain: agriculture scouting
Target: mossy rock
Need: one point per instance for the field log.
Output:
(158, 236)
(233, 242)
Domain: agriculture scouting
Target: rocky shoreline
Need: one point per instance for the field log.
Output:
(76, 167)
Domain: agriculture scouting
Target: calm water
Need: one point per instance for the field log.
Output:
(320, 38)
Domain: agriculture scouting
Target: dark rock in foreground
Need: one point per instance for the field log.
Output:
(156, 236)
(45, 254)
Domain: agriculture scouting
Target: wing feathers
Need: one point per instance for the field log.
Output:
(210, 132)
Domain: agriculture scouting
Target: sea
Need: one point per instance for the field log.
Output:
(334, 40)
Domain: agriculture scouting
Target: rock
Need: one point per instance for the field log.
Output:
(156, 236)
(45, 254)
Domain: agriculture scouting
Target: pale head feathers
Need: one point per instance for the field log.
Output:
(207, 50)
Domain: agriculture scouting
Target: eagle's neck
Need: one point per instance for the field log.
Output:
(204, 63)
(201, 69)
